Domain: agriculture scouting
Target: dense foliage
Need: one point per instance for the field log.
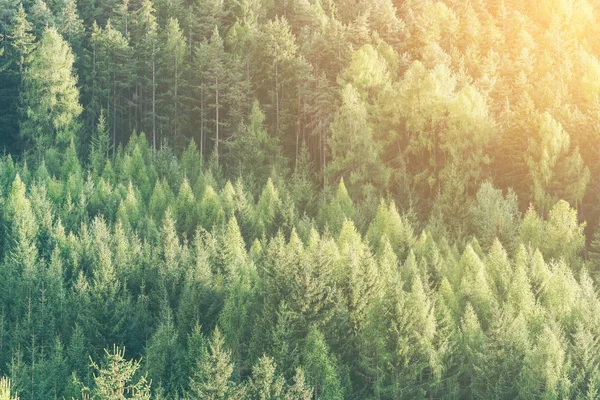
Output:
(299, 199)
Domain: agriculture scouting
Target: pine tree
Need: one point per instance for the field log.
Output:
(20, 231)
(211, 379)
(321, 371)
(99, 146)
(252, 145)
(299, 391)
(215, 78)
(22, 39)
(495, 216)
(42, 17)
(265, 384)
(359, 278)
(15, 56)
(186, 210)
(338, 210)
(233, 259)
(544, 369)
(388, 224)
(109, 77)
(170, 77)
(211, 212)
(70, 26)
(163, 355)
(191, 163)
(545, 172)
(160, 200)
(114, 379)
(50, 96)
(266, 210)
(276, 52)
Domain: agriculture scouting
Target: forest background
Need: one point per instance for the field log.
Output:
(294, 199)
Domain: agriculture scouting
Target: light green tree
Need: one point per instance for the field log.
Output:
(495, 216)
(322, 372)
(356, 156)
(50, 97)
(212, 378)
(553, 165)
(114, 380)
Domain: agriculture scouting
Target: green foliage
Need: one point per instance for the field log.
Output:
(419, 279)
(549, 156)
(254, 146)
(212, 377)
(495, 216)
(116, 379)
(99, 145)
(560, 236)
(50, 96)
(356, 156)
(321, 371)
(339, 209)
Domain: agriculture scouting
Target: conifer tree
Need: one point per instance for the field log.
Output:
(114, 379)
(21, 264)
(186, 210)
(211, 212)
(321, 371)
(171, 73)
(299, 391)
(22, 39)
(42, 17)
(70, 26)
(163, 356)
(355, 155)
(50, 97)
(215, 77)
(252, 145)
(339, 209)
(99, 145)
(495, 216)
(266, 210)
(265, 383)
(211, 379)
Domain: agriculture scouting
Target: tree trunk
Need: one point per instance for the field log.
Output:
(202, 120)
(276, 98)
(153, 99)
(176, 97)
(114, 117)
(217, 119)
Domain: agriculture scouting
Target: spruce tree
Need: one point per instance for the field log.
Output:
(212, 378)
(50, 97)
(115, 378)
(322, 372)
(99, 145)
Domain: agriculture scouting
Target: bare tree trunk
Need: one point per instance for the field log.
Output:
(126, 19)
(297, 133)
(176, 97)
(276, 98)
(202, 120)
(153, 98)
(217, 119)
(114, 117)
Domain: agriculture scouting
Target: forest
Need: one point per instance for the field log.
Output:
(299, 199)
